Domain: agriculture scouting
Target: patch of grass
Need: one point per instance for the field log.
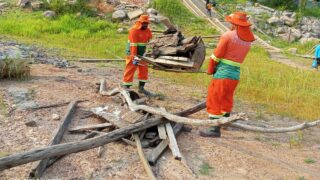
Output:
(180, 15)
(309, 161)
(296, 140)
(205, 169)
(3, 154)
(14, 69)
(80, 36)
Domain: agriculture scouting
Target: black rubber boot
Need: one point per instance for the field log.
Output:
(143, 91)
(126, 87)
(213, 131)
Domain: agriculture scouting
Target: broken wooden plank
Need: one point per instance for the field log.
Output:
(173, 142)
(38, 170)
(90, 127)
(143, 158)
(175, 58)
(85, 60)
(162, 131)
(74, 147)
(174, 63)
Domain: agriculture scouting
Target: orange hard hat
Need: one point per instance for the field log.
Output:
(144, 19)
(243, 25)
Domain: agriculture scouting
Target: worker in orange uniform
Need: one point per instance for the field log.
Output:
(139, 36)
(224, 65)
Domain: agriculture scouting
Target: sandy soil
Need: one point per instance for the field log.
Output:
(237, 155)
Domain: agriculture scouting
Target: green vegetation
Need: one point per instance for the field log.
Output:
(309, 161)
(179, 14)
(14, 69)
(62, 6)
(205, 169)
(80, 36)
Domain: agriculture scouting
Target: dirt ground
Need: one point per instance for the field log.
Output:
(236, 155)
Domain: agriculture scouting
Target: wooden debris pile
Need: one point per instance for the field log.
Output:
(132, 122)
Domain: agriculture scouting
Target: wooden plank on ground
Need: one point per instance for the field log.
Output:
(90, 127)
(162, 131)
(173, 142)
(143, 158)
(39, 168)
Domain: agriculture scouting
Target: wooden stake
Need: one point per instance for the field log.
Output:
(143, 158)
(162, 131)
(89, 127)
(173, 142)
(38, 170)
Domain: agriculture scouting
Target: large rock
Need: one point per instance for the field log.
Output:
(49, 14)
(135, 14)
(36, 5)
(306, 28)
(296, 33)
(282, 30)
(3, 5)
(287, 37)
(287, 13)
(305, 40)
(119, 15)
(316, 28)
(152, 11)
(274, 21)
(288, 21)
(23, 3)
(155, 19)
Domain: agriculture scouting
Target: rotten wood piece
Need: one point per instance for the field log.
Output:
(143, 158)
(173, 142)
(83, 60)
(74, 147)
(162, 131)
(38, 170)
(298, 127)
(179, 119)
(89, 127)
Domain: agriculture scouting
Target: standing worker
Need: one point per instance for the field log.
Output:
(316, 61)
(224, 65)
(209, 6)
(139, 36)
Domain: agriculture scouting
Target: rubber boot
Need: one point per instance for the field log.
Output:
(213, 131)
(126, 87)
(143, 91)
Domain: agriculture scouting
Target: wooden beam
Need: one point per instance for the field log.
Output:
(143, 158)
(39, 168)
(74, 147)
(173, 142)
(90, 127)
(162, 131)
(83, 60)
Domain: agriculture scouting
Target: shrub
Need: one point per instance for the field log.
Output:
(14, 69)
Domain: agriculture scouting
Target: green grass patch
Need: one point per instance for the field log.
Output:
(180, 15)
(309, 161)
(80, 36)
(205, 169)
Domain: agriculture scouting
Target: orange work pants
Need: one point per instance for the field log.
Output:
(220, 96)
(131, 69)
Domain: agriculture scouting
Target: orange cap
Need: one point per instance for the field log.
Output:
(238, 18)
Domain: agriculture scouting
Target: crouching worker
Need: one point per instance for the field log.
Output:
(139, 36)
(224, 65)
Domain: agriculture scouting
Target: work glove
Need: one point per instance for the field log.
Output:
(136, 61)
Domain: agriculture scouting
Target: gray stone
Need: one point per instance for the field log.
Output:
(55, 117)
(287, 13)
(49, 14)
(273, 20)
(23, 3)
(119, 15)
(288, 21)
(19, 94)
(296, 33)
(27, 105)
(3, 5)
(286, 37)
(36, 5)
(155, 19)
(152, 11)
(282, 30)
(135, 14)
(31, 123)
(305, 40)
